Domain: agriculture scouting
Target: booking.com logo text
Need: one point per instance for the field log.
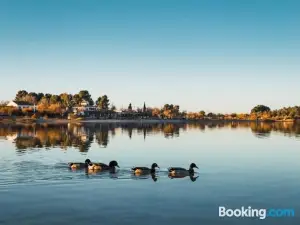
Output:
(258, 213)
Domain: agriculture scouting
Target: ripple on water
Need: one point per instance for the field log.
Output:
(38, 173)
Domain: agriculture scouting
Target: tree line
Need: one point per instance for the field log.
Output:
(59, 104)
(54, 104)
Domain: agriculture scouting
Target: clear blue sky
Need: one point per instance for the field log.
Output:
(218, 56)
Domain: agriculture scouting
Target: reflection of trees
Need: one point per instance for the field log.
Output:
(82, 136)
(50, 136)
(102, 136)
(24, 142)
(212, 125)
(170, 130)
(261, 129)
(234, 125)
(287, 128)
(194, 126)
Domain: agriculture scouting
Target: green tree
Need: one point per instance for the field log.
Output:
(176, 108)
(44, 101)
(103, 102)
(54, 99)
(39, 96)
(233, 115)
(292, 113)
(184, 114)
(220, 116)
(21, 95)
(211, 114)
(129, 107)
(167, 107)
(201, 113)
(260, 109)
(48, 96)
(76, 99)
(32, 98)
(84, 95)
(66, 99)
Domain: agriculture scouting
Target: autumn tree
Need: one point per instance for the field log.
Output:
(156, 112)
(66, 100)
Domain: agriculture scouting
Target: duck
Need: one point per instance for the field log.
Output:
(178, 171)
(144, 170)
(101, 166)
(79, 165)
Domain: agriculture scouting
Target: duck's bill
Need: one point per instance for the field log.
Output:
(197, 167)
(117, 166)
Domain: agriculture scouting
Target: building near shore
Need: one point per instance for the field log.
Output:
(21, 105)
(84, 109)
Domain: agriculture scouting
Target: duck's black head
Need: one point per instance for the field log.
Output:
(193, 165)
(113, 164)
(154, 165)
(87, 161)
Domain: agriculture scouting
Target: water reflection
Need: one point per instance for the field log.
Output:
(192, 177)
(82, 136)
(152, 176)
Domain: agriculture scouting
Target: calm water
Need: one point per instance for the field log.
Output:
(240, 164)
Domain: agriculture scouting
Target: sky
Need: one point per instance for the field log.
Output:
(219, 56)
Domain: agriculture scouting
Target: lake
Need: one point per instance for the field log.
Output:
(240, 164)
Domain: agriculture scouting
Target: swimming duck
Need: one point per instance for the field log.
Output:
(79, 165)
(178, 171)
(101, 166)
(145, 170)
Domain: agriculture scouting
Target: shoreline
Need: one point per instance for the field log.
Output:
(20, 121)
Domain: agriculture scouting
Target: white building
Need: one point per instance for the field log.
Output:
(21, 105)
(83, 108)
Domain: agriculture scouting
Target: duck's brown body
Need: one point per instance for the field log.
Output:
(79, 165)
(173, 174)
(98, 166)
(181, 172)
(141, 170)
(103, 167)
